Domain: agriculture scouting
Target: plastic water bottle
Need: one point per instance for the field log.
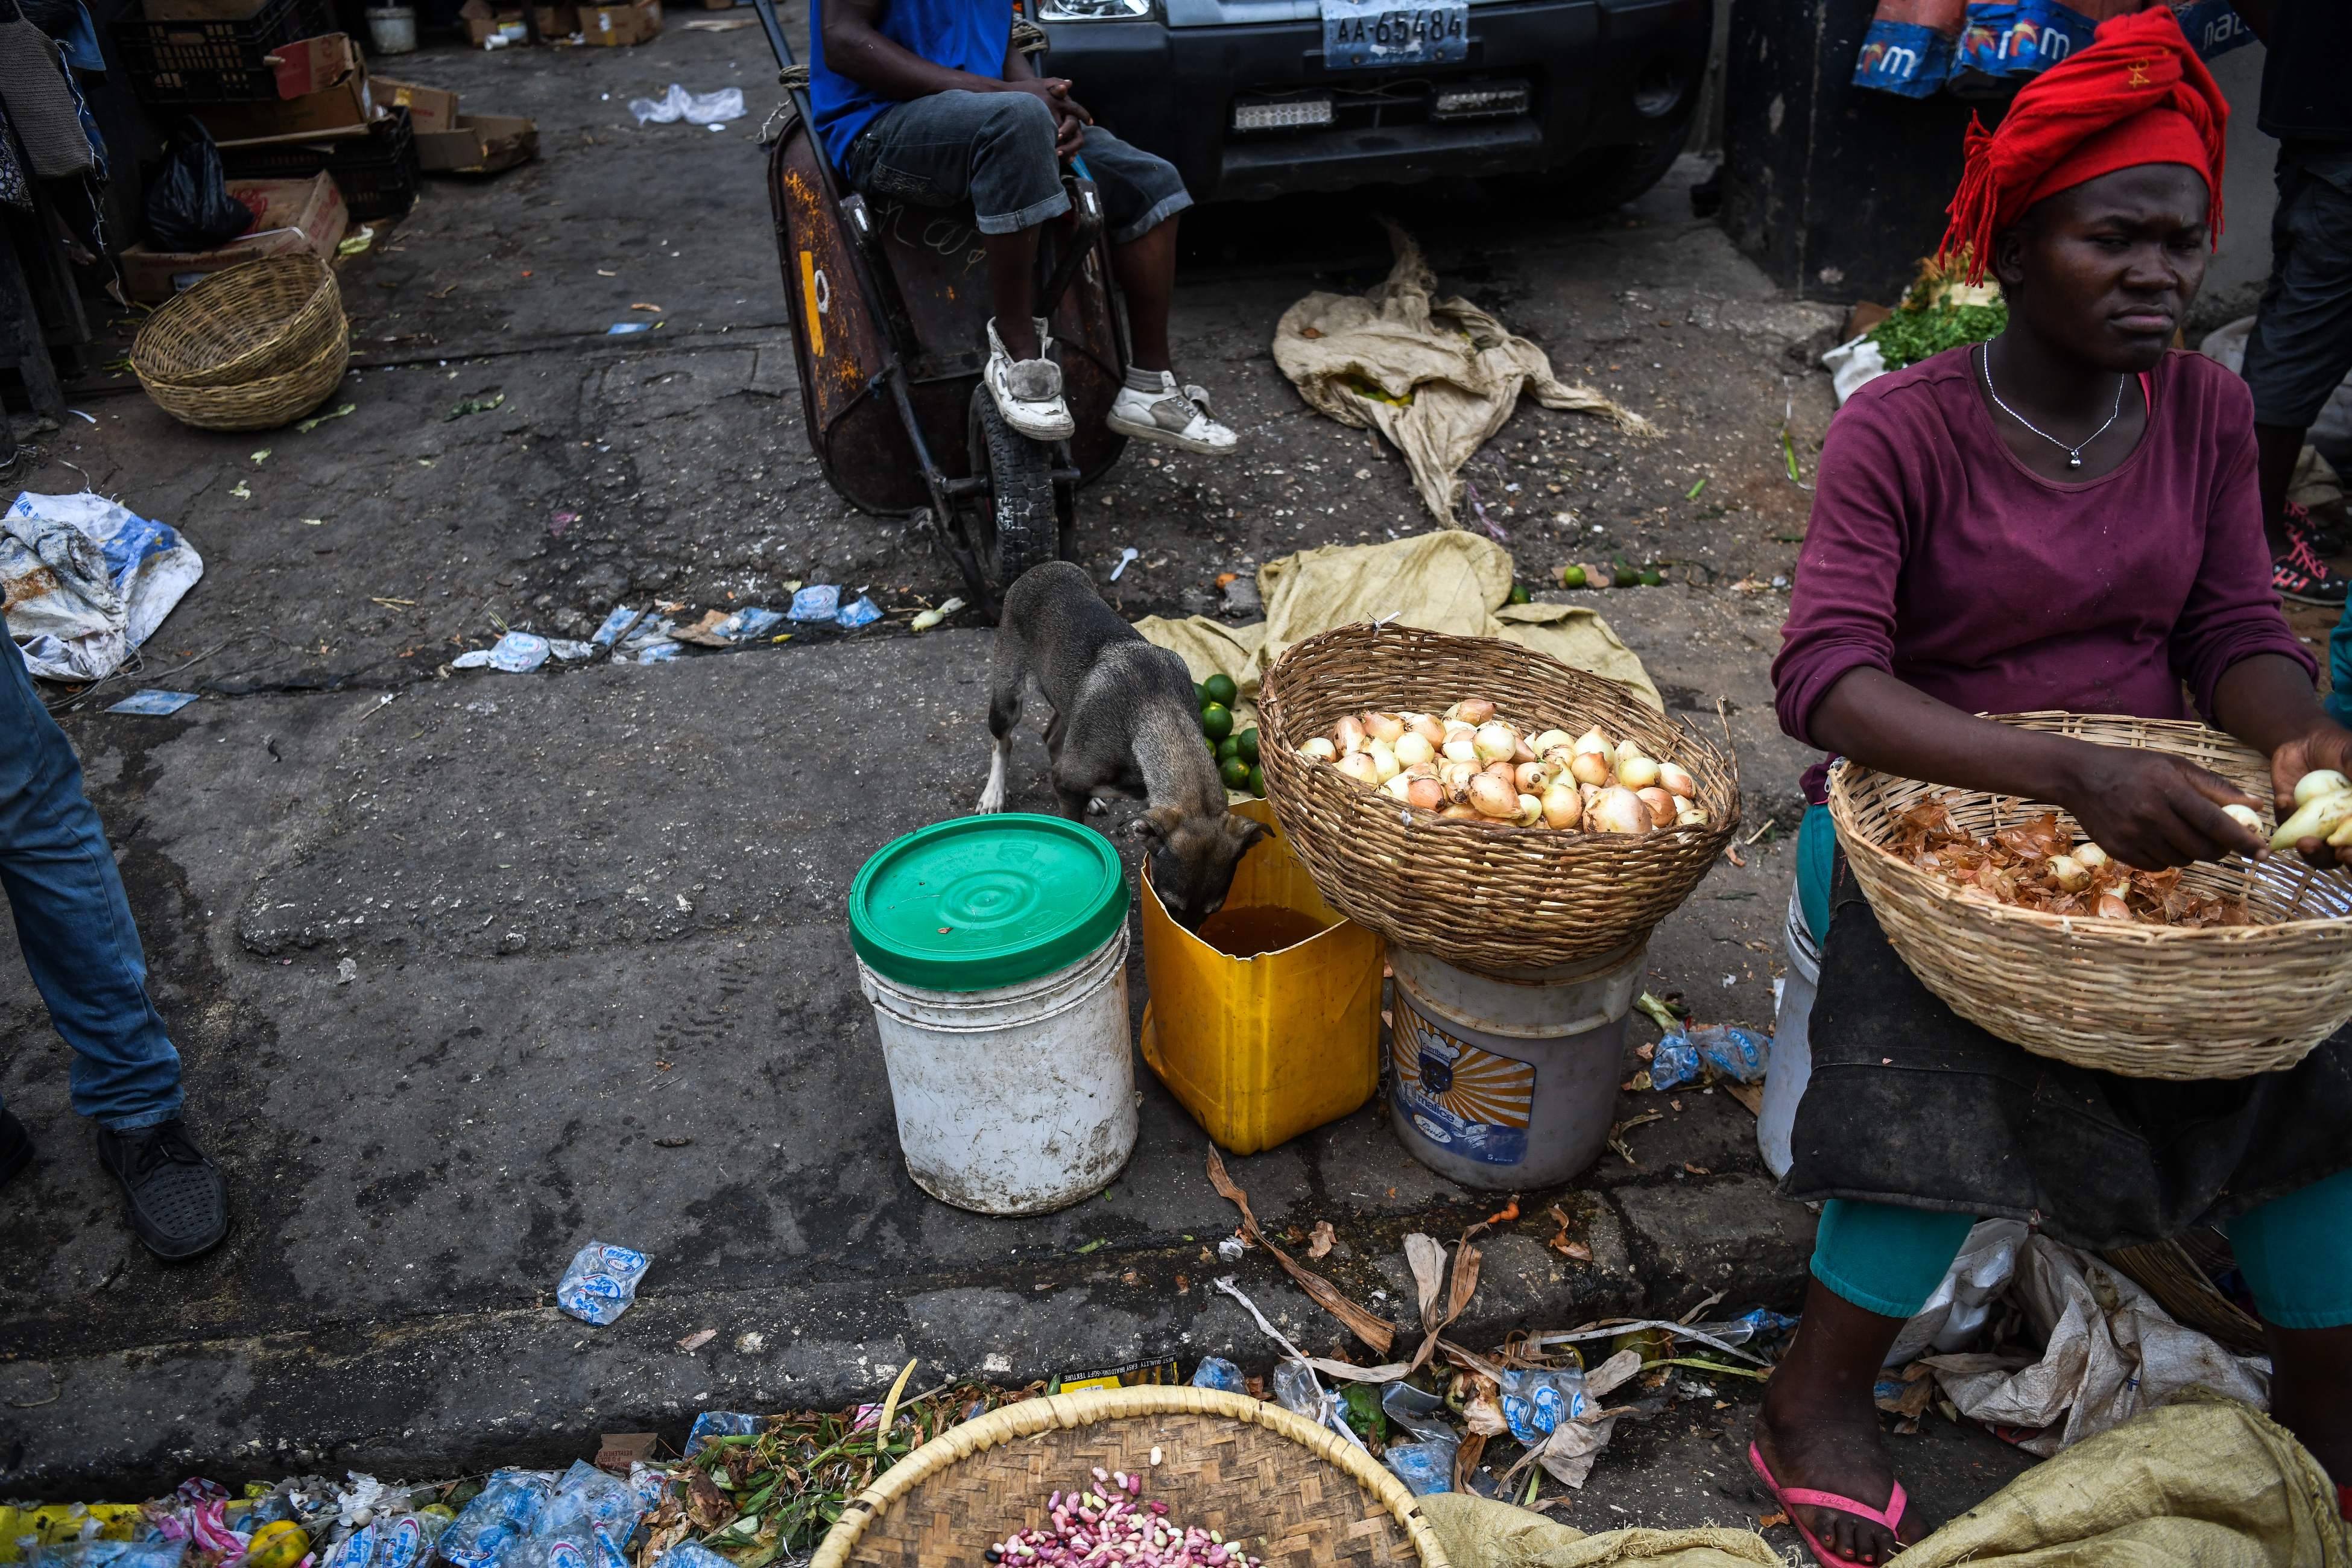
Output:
(501, 1518)
(1535, 1402)
(601, 1282)
(1216, 1371)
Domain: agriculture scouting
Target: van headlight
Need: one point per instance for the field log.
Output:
(1095, 10)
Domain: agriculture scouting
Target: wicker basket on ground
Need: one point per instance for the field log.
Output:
(2179, 1274)
(1486, 899)
(246, 322)
(1291, 1492)
(264, 403)
(2144, 1001)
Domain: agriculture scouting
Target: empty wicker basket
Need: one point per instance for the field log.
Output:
(246, 349)
(2144, 1001)
(1489, 899)
(1291, 1492)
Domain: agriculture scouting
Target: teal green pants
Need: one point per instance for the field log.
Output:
(2295, 1253)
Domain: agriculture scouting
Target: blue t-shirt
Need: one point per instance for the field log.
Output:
(962, 34)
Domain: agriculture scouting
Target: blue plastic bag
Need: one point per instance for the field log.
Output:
(1688, 1054)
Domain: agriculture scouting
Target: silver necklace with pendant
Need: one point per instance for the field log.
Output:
(2074, 454)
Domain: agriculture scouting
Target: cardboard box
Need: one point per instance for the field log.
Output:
(323, 85)
(479, 144)
(294, 216)
(482, 23)
(557, 21)
(430, 108)
(615, 24)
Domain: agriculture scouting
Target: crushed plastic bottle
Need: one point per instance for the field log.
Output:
(1295, 1386)
(1419, 1412)
(1535, 1402)
(719, 1423)
(1685, 1056)
(1216, 1371)
(601, 1282)
(98, 1553)
(504, 1515)
(863, 613)
(1762, 1325)
(686, 1555)
(817, 602)
(1423, 1467)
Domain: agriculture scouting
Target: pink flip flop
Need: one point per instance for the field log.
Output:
(1791, 1499)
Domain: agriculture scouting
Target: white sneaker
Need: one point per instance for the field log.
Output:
(1028, 392)
(1173, 416)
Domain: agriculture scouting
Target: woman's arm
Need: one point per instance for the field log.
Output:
(2146, 808)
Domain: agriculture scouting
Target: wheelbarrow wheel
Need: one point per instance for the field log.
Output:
(1018, 524)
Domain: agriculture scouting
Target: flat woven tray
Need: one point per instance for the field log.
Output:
(1292, 1493)
(2140, 1000)
(1487, 899)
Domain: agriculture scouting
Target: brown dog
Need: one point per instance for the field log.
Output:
(1125, 722)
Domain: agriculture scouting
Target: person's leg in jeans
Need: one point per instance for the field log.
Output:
(2301, 348)
(82, 951)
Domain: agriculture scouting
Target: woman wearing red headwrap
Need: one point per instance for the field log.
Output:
(2065, 518)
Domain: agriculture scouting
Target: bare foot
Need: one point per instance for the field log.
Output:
(1828, 1446)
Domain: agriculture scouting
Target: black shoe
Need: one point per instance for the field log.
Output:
(15, 1147)
(2301, 575)
(179, 1206)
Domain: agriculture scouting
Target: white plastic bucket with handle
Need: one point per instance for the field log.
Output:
(1015, 1100)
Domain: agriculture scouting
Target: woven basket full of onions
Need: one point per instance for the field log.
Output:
(1611, 815)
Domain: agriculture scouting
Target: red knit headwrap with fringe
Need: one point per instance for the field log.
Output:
(2138, 94)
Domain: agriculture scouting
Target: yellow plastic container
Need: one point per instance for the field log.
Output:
(1261, 1049)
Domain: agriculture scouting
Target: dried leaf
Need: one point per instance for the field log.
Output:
(1612, 1372)
(1568, 1455)
(1318, 1245)
(1561, 1243)
(1426, 1259)
(1465, 1459)
(1771, 1521)
(1909, 1397)
(1374, 1332)
(705, 1505)
(697, 1340)
(1483, 1414)
(1466, 1282)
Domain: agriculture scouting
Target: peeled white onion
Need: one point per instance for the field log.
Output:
(1618, 811)
(1384, 760)
(1547, 741)
(1530, 811)
(1591, 768)
(1593, 741)
(1320, 749)
(1496, 742)
(1398, 788)
(2312, 786)
(1674, 780)
(1626, 749)
(1562, 807)
(1456, 776)
(1361, 768)
(1637, 772)
(2090, 854)
(1458, 812)
(1461, 747)
(2244, 814)
(1492, 798)
(2069, 873)
(1689, 815)
(1412, 749)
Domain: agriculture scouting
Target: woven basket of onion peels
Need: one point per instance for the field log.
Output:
(2003, 909)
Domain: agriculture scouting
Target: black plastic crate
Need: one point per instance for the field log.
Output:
(376, 173)
(216, 62)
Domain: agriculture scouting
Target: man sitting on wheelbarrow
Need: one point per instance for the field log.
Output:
(928, 101)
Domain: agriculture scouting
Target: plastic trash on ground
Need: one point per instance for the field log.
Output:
(1960, 1304)
(109, 1554)
(863, 613)
(1423, 1467)
(1732, 1052)
(817, 602)
(154, 701)
(694, 107)
(719, 1423)
(1216, 1371)
(500, 1518)
(1535, 1402)
(601, 1283)
(517, 653)
(86, 581)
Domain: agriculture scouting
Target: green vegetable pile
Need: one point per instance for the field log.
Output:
(1910, 334)
(1236, 752)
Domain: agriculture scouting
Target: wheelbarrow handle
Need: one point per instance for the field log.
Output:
(775, 31)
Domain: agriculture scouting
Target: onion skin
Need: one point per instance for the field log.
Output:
(1460, 813)
(1661, 805)
(1349, 735)
(1521, 752)
(1636, 773)
(1426, 794)
(1456, 776)
(1618, 811)
(1361, 768)
(1591, 768)
(1384, 727)
(1562, 806)
(1674, 780)
(1492, 798)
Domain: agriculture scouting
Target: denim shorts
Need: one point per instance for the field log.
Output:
(2301, 349)
(995, 150)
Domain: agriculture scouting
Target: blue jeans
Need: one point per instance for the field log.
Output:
(73, 921)
(995, 150)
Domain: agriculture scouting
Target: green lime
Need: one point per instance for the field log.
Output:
(1653, 578)
(1235, 772)
(1572, 577)
(1216, 722)
(1221, 689)
(1626, 577)
(1228, 748)
(1246, 743)
(1257, 783)
(1518, 595)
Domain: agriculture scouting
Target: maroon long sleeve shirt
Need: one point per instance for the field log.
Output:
(1935, 555)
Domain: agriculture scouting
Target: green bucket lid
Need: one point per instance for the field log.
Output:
(984, 901)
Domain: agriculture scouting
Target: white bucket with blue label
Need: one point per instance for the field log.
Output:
(1506, 1081)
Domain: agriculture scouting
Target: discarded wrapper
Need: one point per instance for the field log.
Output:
(154, 701)
(601, 1282)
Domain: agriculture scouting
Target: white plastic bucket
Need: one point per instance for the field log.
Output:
(1508, 1081)
(392, 30)
(1017, 1101)
(1793, 1047)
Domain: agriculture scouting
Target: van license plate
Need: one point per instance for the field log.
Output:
(1362, 34)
